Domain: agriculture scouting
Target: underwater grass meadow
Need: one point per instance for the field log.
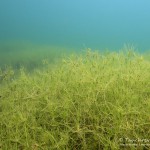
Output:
(90, 101)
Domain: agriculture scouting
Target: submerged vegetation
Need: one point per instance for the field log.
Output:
(89, 101)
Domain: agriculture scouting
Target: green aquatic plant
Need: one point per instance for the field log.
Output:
(6, 74)
(89, 101)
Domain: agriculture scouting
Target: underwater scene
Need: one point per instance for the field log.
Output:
(74, 75)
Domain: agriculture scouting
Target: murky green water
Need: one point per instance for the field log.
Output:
(74, 25)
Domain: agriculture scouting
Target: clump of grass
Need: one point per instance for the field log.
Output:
(90, 101)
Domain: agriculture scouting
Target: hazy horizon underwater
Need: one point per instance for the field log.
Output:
(74, 75)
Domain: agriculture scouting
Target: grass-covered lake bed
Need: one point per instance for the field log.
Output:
(83, 101)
